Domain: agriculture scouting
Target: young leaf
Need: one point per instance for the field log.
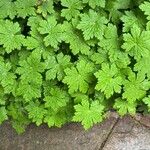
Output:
(130, 20)
(142, 66)
(135, 87)
(146, 100)
(146, 8)
(31, 69)
(88, 114)
(75, 39)
(56, 99)
(109, 80)
(124, 107)
(95, 3)
(72, 8)
(47, 7)
(92, 25)
(10, 36)
(3, 114)
(52, 30)
(110, 42)
(36, 112)
(7, 8)
(77, 78)
(25, 8)
(137, 44)
(7, 78)
(56, 66)
(53, 118)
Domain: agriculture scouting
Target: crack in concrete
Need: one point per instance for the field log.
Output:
(127, 131)
(109, 134)
(140, 121)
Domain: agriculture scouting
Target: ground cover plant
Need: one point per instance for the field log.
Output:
(73, 60)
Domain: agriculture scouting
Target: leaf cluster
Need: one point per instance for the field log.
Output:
(73, 60)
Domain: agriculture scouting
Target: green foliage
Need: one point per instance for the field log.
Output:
(73, 60)
(77, 78)
(92, 24)
(56, 66)
(137, 44)
(72, 9)
(25, 8)
(135, 87)
(56, 99)
(93, 110)
(36, 112)
(52, 30)
(3, 114)
(95, 3)
(123, 107)
(45, 8)
(109, 80)
(7, 8)
(10, 36)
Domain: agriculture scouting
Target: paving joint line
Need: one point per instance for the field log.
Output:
(109, 134)
(140, 122)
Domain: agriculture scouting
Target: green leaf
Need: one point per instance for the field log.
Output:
(79, 77)
(72, 8)
(53, 118)
(7, 8)
(30, 77)
(95, 3)
(75, 39)
(56, 99)
(109, 80)
(3, 114)
(56, 66)
(137, 44)
(52, 30)
(146, 101)
(7, 78)
(34, 42)
(25, 8)
(119, 4)
(142, 66)
(88, 114)
(31, 69)
(47, 7)
(135, 87)
(146, 8)
(130, 19)
(92, 25)
(36, 112)
(10, 36)
(100, 57)
(28, 91)
(33, 23)
(2, 96)
(124, 107)
(111, 42)
(19, 118)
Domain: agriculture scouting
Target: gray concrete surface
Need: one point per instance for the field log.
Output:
(129, 134)
(113, 134)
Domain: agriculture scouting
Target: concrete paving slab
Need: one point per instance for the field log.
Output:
(70, 137)
(129, 134)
